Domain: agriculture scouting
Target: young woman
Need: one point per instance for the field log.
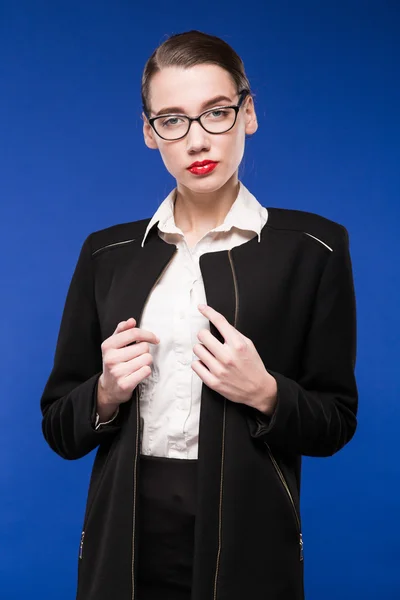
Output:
(202, 352)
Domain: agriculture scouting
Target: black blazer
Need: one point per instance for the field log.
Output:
(292, 294)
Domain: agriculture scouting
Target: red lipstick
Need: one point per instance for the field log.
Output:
(202, 167)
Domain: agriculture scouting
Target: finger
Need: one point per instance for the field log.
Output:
(204, 374)
(133, 379)
(124, 369)
(131, 351)
(123, 338)
(207, 358)
(210, 342)
(221, 323)
(123, 325)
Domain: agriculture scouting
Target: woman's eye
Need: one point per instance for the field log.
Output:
(171, 122)
(218, 113)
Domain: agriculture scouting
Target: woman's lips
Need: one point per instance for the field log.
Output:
(202, 168)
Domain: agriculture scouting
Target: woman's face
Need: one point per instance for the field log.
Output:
(189, 91)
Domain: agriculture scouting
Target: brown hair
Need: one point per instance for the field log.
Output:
(189, 49)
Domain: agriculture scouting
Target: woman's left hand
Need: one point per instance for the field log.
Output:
(233, 369)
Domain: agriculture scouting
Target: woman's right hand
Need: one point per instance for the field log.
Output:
(124, 365)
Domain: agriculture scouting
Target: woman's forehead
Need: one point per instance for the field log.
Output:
(189, 89)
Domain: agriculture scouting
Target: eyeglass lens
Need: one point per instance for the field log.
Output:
(213, 121)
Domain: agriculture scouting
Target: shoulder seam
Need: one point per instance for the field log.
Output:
(318, 240)
(325, 231)
(113, 245)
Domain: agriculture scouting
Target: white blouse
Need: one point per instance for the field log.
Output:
(170, 396)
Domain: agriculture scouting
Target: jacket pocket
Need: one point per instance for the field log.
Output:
(290, 497)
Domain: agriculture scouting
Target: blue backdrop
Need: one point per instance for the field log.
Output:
(72, 160)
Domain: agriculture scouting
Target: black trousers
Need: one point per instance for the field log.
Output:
(167, 502)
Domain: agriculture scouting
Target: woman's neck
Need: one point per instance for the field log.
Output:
(197, 213)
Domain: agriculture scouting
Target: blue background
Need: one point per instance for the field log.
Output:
(72, 160)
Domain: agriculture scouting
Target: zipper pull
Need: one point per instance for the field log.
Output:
(81, 545)
(301, 547)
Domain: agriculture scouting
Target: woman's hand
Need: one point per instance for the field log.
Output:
(233, 369)
(124, 365)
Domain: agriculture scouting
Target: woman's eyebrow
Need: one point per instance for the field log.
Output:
(178, 109)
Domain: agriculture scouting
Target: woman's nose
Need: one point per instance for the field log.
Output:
(197, 139)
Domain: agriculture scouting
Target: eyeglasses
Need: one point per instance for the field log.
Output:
(215, 120)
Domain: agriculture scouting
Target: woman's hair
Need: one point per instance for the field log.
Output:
(189, 49)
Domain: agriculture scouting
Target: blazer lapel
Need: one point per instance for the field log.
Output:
(135, 278)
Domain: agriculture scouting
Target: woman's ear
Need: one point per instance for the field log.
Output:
(148, 134)
(250, 117)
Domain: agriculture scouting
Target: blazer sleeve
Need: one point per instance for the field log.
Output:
(316, 414)
(68, 402)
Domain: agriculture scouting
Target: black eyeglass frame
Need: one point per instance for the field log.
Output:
(236, 107)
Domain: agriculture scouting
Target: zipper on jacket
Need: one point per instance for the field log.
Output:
(89, 506)
(221, 485)
(223, 444)
(135, 490)
(236, 289)
(289, 494)
(138, 437)
(81, 545)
